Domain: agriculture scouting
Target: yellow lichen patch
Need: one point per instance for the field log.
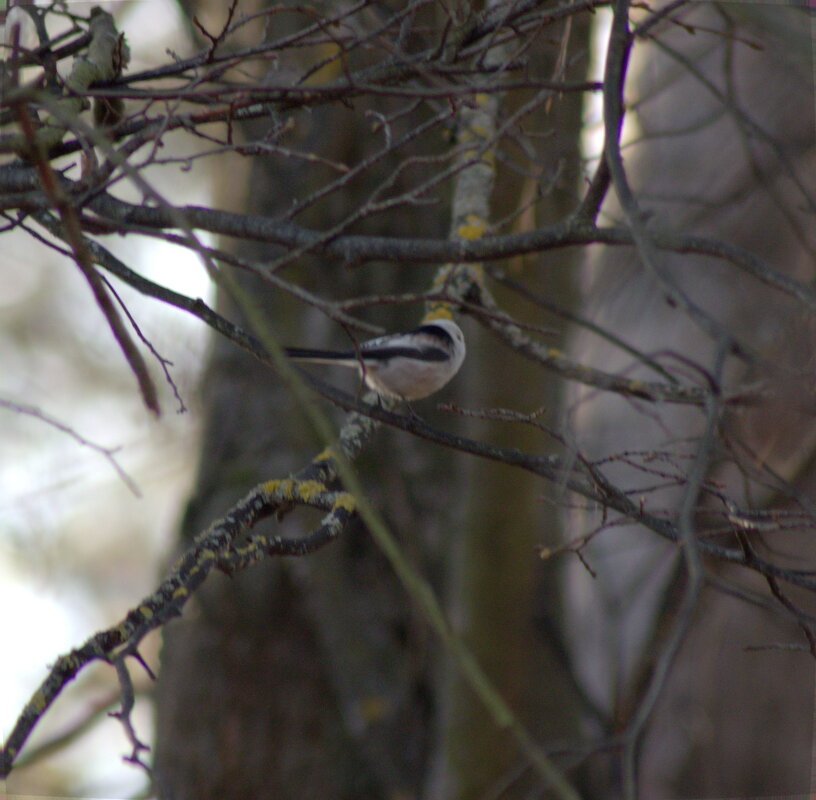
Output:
(71, 660)
(309, 489)
(554, 352)
(146, 612)
(482, 98)
(180, 592)
(324, 455)
(345, 500)
(121, 631)
(39, 702)
(489, 158)
(284, 489)
(473, 227)
(438, 311)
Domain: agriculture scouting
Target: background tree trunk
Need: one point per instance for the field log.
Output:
(309, 677)
(328, 682)
(731, 722)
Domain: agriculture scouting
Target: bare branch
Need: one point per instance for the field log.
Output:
(109, 453)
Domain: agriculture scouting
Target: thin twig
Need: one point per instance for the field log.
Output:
(109, 453)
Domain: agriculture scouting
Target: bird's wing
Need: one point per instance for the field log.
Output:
(386, 351)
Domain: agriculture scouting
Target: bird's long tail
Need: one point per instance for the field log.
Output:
(321, 356)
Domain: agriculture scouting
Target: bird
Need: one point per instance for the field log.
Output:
(405, 366)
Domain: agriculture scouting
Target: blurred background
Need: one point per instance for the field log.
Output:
(320, 677)
(80, 543)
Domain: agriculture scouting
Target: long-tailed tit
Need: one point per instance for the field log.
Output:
(407, 366)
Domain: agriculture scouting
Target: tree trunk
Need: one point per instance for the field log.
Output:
(730, 722)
